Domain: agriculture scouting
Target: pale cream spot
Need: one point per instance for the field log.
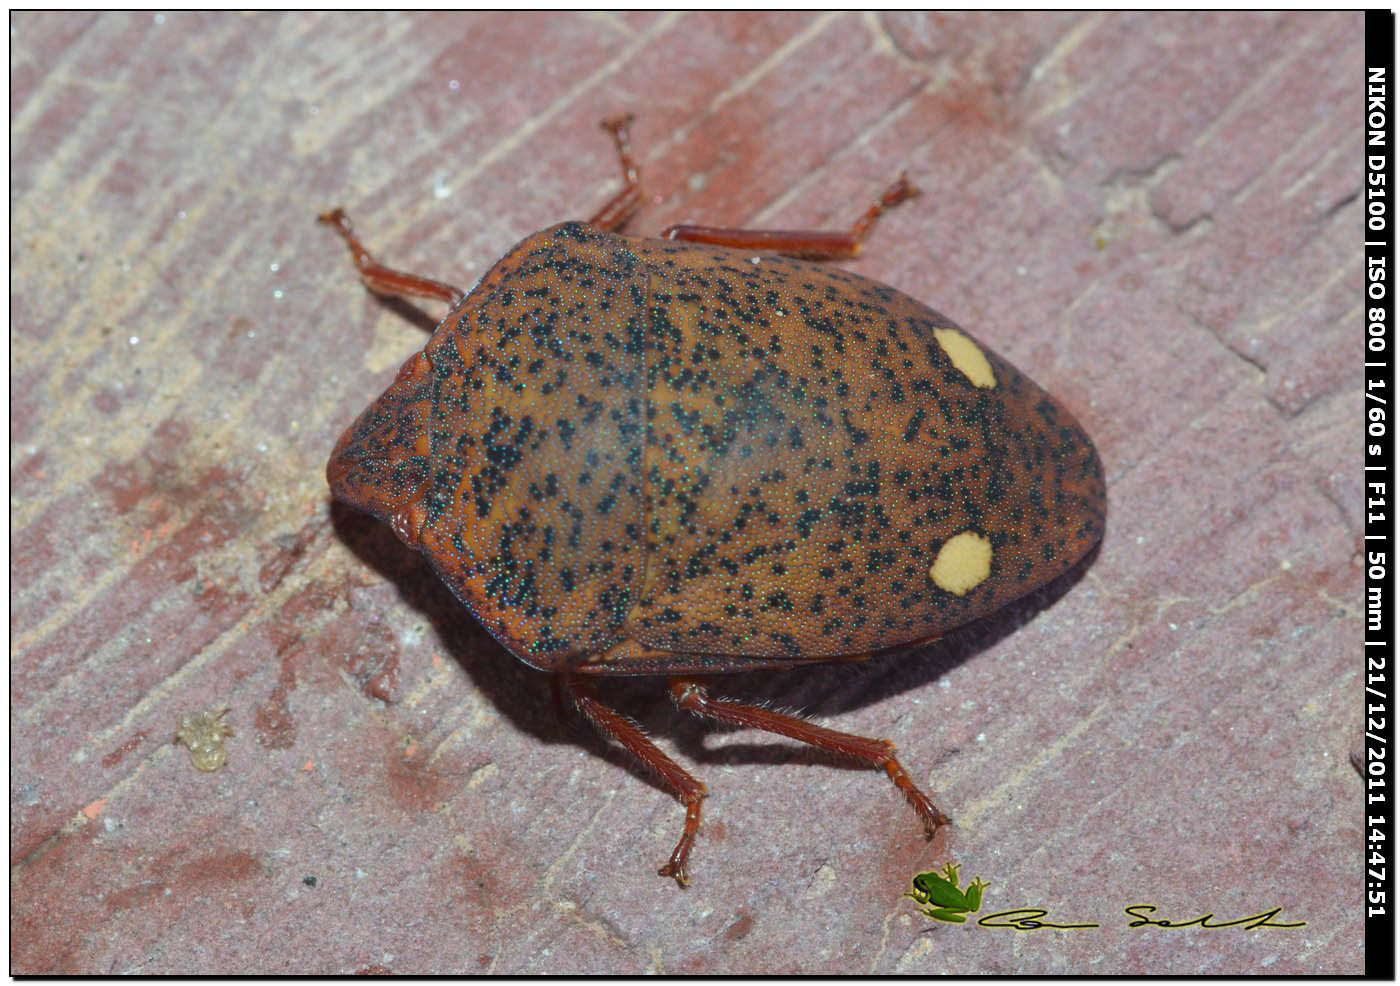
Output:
(963, 563)
(967, 357)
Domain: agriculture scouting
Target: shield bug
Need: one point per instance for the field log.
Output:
(695, 454)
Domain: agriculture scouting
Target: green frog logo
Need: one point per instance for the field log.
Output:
(940, 898)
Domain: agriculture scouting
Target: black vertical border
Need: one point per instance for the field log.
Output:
(1379, 343)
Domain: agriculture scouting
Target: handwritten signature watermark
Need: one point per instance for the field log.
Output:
(942, 898)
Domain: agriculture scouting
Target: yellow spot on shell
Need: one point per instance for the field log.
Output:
(967, 357)
(963, 563)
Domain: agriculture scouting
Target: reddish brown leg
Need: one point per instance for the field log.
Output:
(382, 280)
(620, 208)
(808, 244)
(691, 695)
(687, 788)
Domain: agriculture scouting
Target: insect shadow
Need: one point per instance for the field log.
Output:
(823, 690)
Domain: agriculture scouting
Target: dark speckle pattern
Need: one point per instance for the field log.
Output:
(640, 456)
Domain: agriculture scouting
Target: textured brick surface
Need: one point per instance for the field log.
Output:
(1155, 216)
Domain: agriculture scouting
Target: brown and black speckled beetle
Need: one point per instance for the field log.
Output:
(688, 455)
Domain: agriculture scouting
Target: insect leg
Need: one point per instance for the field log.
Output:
(382, 280)
(689, 694)
(808, 244)
(687, 788)
(621, 206)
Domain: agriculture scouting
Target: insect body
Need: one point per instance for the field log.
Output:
(672, 456)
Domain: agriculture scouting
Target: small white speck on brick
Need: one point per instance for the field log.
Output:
(822, 881)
